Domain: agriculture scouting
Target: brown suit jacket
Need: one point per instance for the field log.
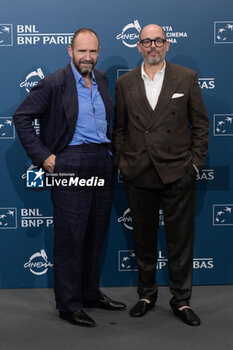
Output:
(171, 136)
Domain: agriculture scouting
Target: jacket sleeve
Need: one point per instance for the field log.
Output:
(120, 124)
(200, 124)
(35, 105)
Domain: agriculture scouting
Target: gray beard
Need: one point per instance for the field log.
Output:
(154, 61)
(82, 71)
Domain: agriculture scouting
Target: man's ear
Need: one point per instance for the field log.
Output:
(139, 47)
(70, 51)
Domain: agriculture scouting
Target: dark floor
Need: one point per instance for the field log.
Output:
(29, 321)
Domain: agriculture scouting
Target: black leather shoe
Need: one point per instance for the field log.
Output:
(105, 303)
(79, 318)
(141, 308)
(188, 316)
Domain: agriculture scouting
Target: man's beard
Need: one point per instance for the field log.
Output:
(155, 60)
(83, 71)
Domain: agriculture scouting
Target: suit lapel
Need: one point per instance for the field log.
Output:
(69, 97)
(168, 88)
(138, 94)
(103, 89)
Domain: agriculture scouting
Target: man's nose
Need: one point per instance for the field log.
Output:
(87, 55)
(153, 44)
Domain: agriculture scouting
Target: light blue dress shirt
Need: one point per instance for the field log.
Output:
(91, 126)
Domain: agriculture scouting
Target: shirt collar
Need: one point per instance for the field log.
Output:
(78, 76)
(145, 76)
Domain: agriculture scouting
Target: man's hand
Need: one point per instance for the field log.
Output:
(49, 163)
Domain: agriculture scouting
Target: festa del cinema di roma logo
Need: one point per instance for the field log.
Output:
(126, 219)
(130, 34)
(32, 79)
(38, 263)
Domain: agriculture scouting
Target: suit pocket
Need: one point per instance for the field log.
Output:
(57, 166)
(131, 164)
(131, 154)
(188, 178)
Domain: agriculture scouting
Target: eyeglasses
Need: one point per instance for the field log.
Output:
(159, 42)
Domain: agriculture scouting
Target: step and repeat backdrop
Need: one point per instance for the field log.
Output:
(33, 43)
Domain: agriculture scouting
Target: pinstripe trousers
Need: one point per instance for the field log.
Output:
(81, 218)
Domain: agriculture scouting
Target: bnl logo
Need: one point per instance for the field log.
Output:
(127, 261)
(8, 218)
(223, 215)
(35, 178)
(223, 125)
(223, 32)
(6, 35)
(7, 129)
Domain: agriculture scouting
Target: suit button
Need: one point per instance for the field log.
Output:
(147, 132)
(173, 113)
(137, 117)
(169, 130)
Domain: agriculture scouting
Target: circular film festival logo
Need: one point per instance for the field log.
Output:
(38, 263)
(130, 34)
(126, 218)
(32, 79)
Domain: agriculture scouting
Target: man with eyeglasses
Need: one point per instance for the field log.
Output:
(161, 139)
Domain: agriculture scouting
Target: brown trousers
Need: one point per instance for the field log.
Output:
(178, 203)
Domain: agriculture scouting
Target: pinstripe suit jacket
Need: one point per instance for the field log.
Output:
(54, 102)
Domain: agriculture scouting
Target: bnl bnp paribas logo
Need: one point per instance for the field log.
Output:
(223, 215)
(6, 35)
(35, 178)
(223, 124)
(34, 218)
(28, 34)
(223, 32)
(129, 34)
(7, 129)
(127, 262)
(204, 83)
(8, 218)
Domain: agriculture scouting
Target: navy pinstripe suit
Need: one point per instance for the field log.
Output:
(81, 214)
